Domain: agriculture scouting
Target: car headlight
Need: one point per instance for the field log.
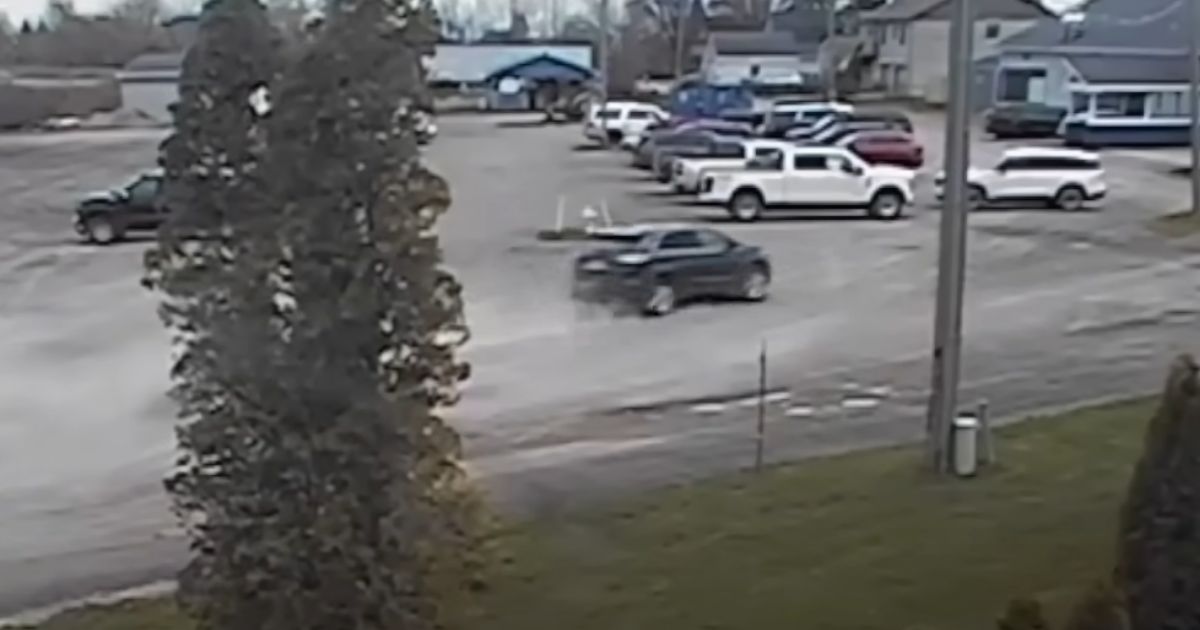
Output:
(632, 258)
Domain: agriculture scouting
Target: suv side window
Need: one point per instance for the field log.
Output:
(809, 162)
(1015, 164)
(144, 191)
(713, 240)
(638, 114)
(683, 239)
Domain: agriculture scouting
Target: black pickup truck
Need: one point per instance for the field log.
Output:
(108, 217)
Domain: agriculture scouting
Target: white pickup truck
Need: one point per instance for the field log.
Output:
(690, 171)
(810, 177)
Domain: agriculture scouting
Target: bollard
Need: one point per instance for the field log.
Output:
(966, 441)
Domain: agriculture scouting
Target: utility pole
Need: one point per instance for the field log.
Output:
(685, 13)
(603, 51)
(952, 250)
(1194, 98)
(830, 62)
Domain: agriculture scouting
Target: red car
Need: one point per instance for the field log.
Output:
(887, 147)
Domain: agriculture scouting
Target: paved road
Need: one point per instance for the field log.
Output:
(1060, 308)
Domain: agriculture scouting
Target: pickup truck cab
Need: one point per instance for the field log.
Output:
(1065, 178)
(810, 177)
(614, 121)
(729, 155)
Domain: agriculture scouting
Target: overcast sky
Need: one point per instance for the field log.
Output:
(18, 10)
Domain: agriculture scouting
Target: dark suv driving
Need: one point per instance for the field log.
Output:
(107, 217)
(663, 267)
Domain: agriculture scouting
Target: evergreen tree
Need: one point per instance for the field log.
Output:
(212, 264)
(1100, 609)
(1023, 614)
(1159, 547)
(372, 524)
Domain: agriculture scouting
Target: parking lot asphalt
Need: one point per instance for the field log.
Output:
(569, 404)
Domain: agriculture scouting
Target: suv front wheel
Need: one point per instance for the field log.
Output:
(887, 205)
(101, 230)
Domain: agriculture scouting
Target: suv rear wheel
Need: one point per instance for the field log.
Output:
(1070, 198)
(101, 230)
(746, 205)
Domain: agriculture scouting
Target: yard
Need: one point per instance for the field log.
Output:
(855, 542)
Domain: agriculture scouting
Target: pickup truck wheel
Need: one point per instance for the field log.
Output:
(662, 299)
(1070, 198)
(101, 230)
(746, 205)
(887, 205)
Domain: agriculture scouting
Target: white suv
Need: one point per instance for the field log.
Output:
(616, 121)
(810, 177)
(1066, 178)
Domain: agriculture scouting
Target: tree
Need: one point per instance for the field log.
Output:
(1100, 609)
(1023, 614)
(579, 28)
(371, 524)
(212, 264)
(1159, 549)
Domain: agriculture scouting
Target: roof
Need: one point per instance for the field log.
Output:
(755, 43)
(474, 63)
(904, 10)
(1050, 152)
(1131, 69)
(1141, 25)
(543, 67)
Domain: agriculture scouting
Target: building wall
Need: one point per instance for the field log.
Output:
(929, 52)
(1055, 88)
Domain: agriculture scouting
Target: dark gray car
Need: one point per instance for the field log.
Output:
(665, 267)
(108, 217)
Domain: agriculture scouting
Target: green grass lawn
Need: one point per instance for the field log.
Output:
(857, 542)
(1178, 225)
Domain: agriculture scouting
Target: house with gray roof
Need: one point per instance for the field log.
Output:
(1118, 68)
(911, 41)
(761, 58)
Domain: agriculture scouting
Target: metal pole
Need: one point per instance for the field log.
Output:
(761, 432)
(685, 12)
(952, 250)
(830, 61)
(1194, 98)
(603, 52)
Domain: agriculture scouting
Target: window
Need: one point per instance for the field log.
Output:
(1169, 105)
(991, 31)
(683, 239)
(770, 161)
(1015, 82)
(713, 240)
(767, 154)
(1121, 105)
(901, 33)
(608, 114)
(1014, 164)
(143, 192)
(837, 163)
(1080, 102)
(809, 163)
(639, 114)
